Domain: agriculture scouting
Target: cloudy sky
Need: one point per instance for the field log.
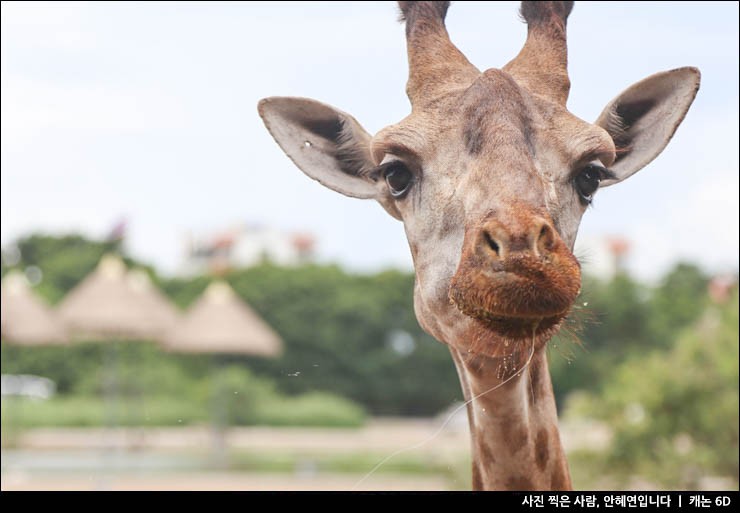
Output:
(147, 111)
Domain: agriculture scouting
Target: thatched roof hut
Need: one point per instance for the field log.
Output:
(24, 318)
(220, 322)
(111, 303)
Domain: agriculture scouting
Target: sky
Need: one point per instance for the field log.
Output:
(148, 112)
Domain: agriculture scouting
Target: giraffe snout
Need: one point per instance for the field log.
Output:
(515, 271)
(498, 240)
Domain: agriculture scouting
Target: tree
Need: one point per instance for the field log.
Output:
(675, 412)
(676, 303)
(339, 336)
(609, 320)
(63, 260)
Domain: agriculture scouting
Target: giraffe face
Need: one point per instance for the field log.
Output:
(490, 173)
(491, 185)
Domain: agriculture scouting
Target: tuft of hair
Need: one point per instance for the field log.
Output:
(411, 12)
(535, 13)
(352, 152)
(620, 119)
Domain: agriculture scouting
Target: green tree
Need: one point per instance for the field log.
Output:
(675, 412)
(609, 320)
(677, 302)
(64, 260)
(338, 331)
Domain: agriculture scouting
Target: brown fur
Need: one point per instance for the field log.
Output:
(561, 477)
(542, 63)
(414, 13)
(538, 12)
(519, 482)
(509, 441)
(488, 114)
(519, 289)
(485, 453)
(535, 381)
(541, 449)
(435, 64)
(518, 437)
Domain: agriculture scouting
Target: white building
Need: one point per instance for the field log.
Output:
(245, 245)
(603, 256)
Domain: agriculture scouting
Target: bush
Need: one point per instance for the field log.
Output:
(312, 409)
(95, 412)
(675, 412)
(231, 395)
(234, 395)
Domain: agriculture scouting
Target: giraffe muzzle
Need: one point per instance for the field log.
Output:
(515, 272)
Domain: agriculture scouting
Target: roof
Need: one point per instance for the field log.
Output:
(113, 303)
(25, 318)
(220, 322)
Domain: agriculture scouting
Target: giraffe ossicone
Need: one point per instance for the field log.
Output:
(490, 175)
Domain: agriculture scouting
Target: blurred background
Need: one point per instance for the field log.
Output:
(183, 309)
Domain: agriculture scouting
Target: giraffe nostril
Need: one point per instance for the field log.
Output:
(491, 243)
(545, 239)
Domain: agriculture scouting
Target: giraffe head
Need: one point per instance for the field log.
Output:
(490, 173)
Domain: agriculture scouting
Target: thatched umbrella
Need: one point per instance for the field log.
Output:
(24, 318)
(164, 316)
(113, 305)
(220, 322)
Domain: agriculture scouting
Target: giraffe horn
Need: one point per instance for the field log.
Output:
(542, 64)
(435, 64)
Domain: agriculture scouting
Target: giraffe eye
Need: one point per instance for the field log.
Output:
(399, 178)
(587, 182)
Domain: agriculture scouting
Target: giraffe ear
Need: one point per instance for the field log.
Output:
(327, 144)
(643, 118)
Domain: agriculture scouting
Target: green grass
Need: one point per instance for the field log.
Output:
(351, 462)
(316, 409)
(93, 412)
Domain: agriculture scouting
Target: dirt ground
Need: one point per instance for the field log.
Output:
(173, 458)
(377, 435)
(161, 458)
(219, 481)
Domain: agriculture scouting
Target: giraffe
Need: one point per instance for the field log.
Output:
(490, 175)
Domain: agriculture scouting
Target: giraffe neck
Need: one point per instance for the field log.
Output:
(514, 428)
